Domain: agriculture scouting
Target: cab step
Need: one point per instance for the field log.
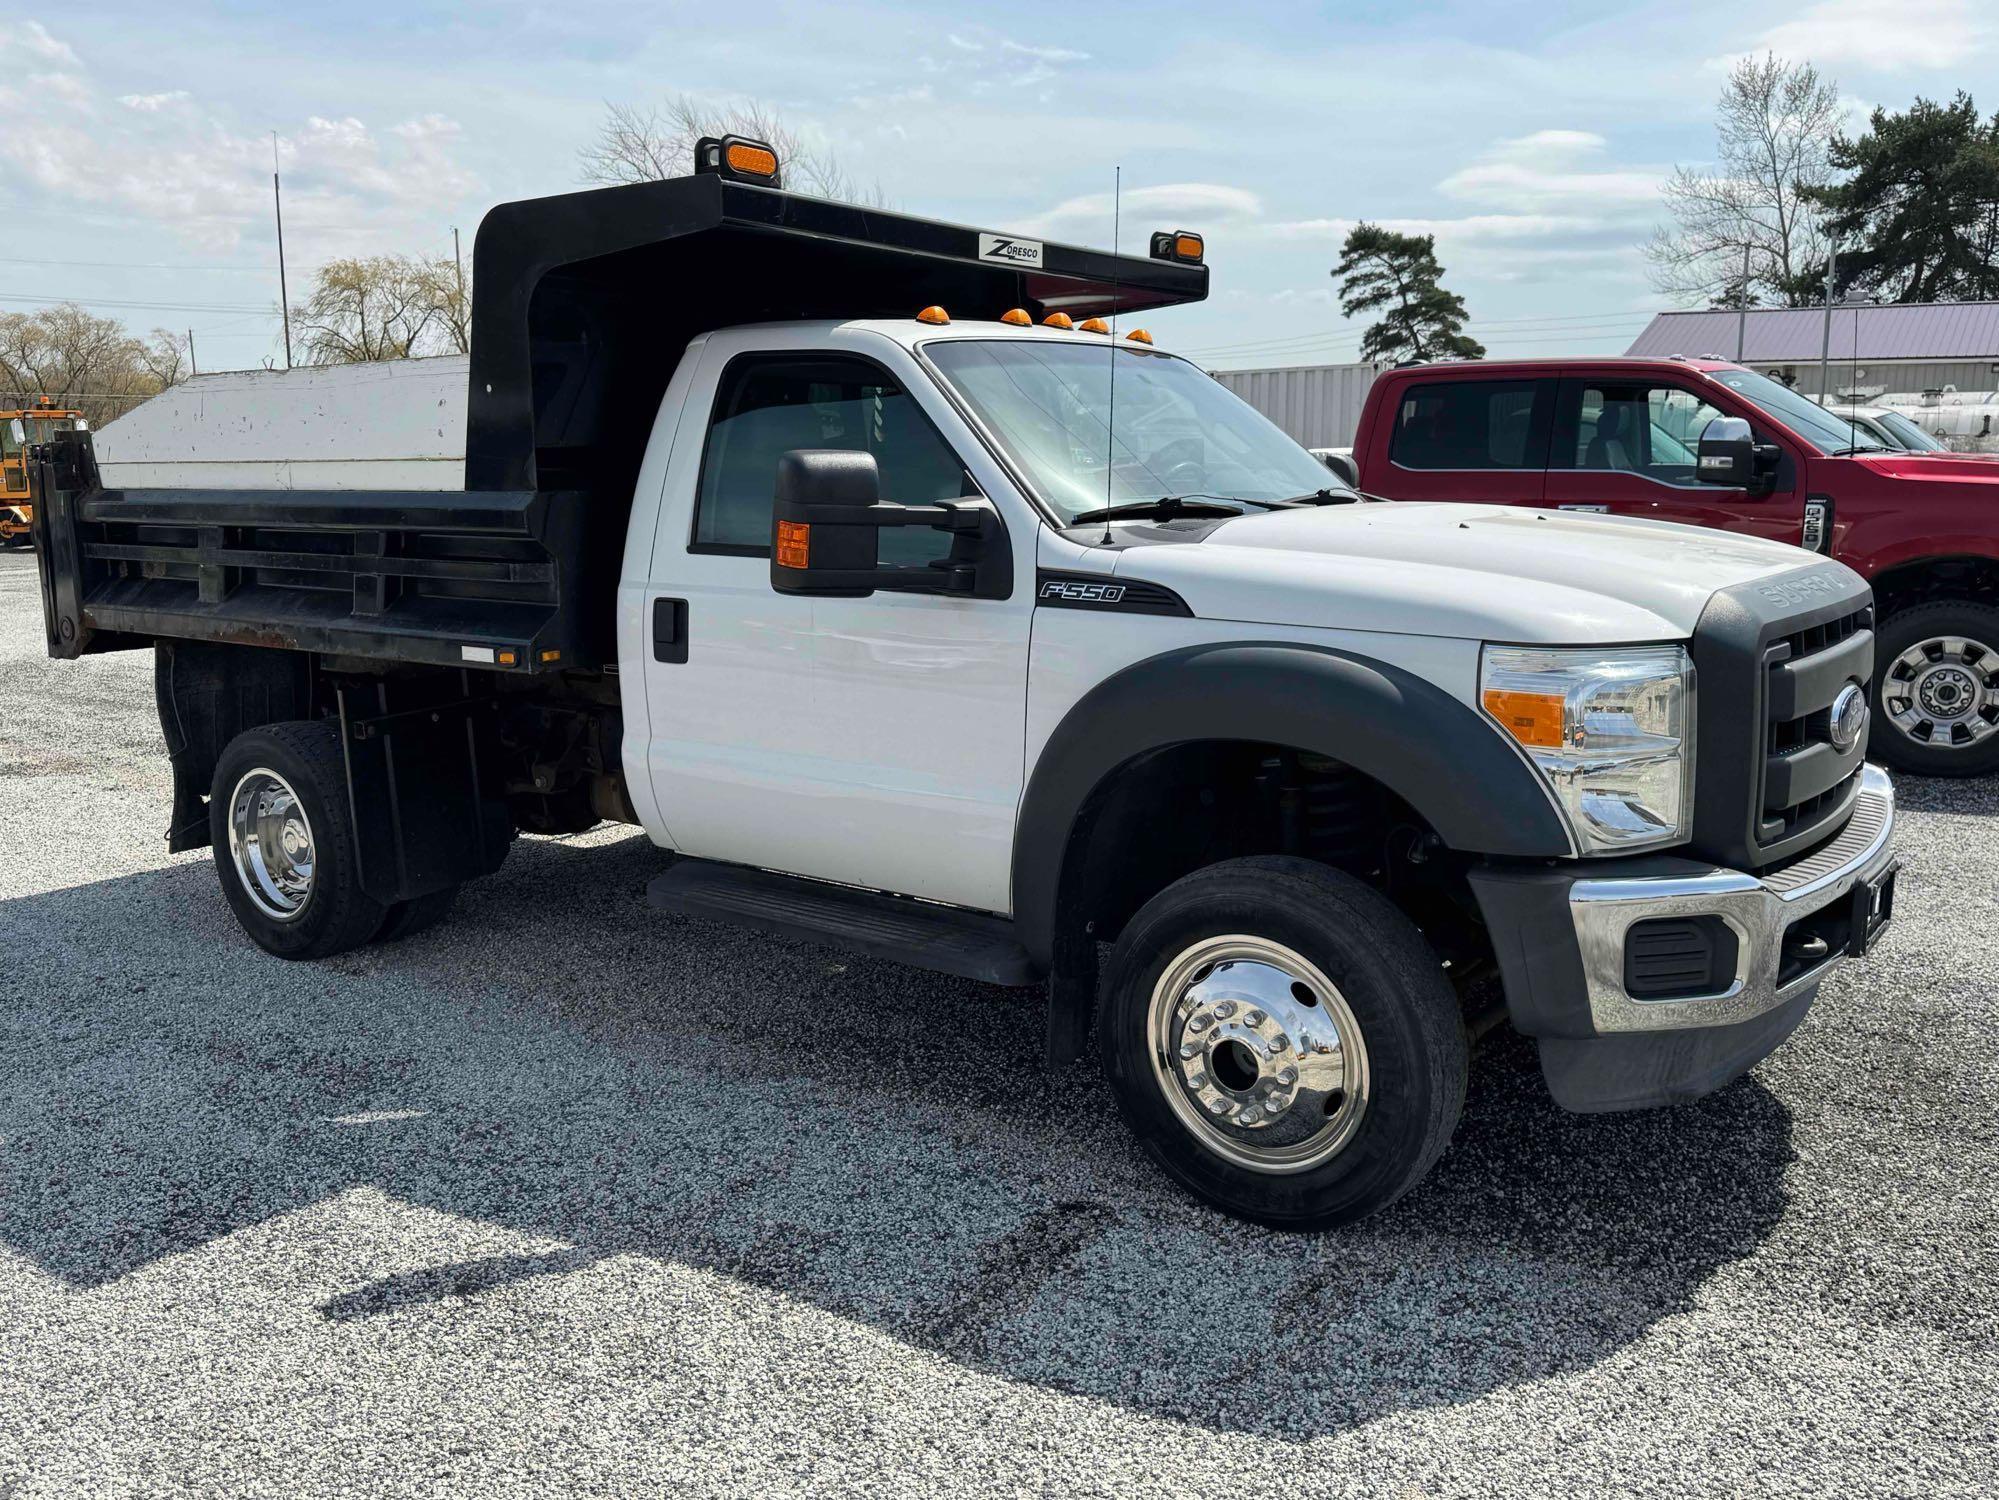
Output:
(971, 945)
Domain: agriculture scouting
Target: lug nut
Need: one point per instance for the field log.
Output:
(1201, 1022)
(1188, 1049)
(1254, 1018)
(1197, 1079)
(1280, 1043)
(1219, 1106)
(1225, 1009)
(1287, 1075)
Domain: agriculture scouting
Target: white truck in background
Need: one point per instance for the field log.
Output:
(914, 608)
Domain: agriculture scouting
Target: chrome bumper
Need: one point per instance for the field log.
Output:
(1761, 911)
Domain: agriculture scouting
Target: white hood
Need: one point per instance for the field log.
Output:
(1476, 572)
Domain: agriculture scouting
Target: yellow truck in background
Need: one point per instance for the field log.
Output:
(19, 430)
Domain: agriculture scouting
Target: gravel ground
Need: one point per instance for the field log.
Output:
(566, 1197)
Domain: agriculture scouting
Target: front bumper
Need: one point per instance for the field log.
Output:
(1561, 935)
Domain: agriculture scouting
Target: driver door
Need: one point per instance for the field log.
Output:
(877, 742)
(1628, 447)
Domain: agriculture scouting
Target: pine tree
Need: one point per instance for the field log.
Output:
(1399, 273)
(1921, 209)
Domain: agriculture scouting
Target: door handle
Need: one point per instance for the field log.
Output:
(669, 630)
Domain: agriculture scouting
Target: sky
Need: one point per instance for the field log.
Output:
(136, 140)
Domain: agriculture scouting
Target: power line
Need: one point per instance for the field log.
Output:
(228, 307)
(1333, 337)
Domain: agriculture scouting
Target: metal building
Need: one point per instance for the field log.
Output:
(1318, 405)
(1868, 350)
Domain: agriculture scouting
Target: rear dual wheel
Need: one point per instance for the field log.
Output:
(1283, 1043)
(282, 831)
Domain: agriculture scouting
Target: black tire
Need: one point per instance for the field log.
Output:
(408, 918)
(1888, 740)
(335, 914)
(1394, 988)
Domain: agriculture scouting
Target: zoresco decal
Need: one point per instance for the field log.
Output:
(1009, 248)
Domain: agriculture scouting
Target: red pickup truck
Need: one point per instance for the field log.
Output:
(1707, 443)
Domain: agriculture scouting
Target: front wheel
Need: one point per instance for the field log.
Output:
(1283, 1042)
(1936, 690)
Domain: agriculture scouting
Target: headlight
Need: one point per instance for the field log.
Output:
(1610, 729)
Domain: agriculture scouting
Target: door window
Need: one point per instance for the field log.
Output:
(768, 405)
(1472, 424)
(1650, 430)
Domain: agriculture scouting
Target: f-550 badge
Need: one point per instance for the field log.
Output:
(1070, 591)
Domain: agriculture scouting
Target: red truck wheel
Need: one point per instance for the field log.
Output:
(1936, 690)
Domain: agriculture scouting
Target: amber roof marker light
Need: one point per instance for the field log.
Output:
(934, 315)
(1058, 320)
(1017, 317)
(739, 159)
(1179, 244)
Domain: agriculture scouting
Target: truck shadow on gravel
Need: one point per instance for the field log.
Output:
(878, 1143)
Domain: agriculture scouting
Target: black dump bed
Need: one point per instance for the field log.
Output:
(582, 306)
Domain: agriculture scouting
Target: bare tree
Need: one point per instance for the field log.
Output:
(1774, 131)
(80, 360)
(382, 307)
(165, 357)
(647, 145)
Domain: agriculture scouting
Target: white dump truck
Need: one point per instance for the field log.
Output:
(912, 600)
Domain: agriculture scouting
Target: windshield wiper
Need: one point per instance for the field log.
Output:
(1171, 507)
(1860, 448)
(1322, 497)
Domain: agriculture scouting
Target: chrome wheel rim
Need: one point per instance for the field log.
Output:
(1944, 692)
(270, 844)
(1258, 1054)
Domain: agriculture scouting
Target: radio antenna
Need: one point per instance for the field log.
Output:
(1110, 404)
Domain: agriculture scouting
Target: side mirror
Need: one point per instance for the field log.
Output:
(1343, 465)
(826, 522)
(1730, 456)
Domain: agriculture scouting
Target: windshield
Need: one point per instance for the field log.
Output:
(1805, 417)
(1909, 435)
(1178, 432)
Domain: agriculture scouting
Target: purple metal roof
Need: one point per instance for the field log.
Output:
(1915, 330)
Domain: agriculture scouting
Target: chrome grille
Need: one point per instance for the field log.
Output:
(1806, 781)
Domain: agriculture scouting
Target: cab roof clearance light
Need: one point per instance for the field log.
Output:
(1017, 316)
(1058, 320)
(1094, 325)
(738, 158)
(1139, 336)
(1178, 244)
(933, 314)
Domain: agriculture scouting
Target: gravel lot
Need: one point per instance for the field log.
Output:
(567, 1197)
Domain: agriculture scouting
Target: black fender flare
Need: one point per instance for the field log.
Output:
(1476, 790)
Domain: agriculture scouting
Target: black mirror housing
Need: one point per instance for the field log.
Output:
(1727, 453)
(827, 515)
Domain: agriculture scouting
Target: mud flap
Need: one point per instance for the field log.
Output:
(426, 814)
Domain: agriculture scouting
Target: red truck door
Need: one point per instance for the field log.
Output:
(1472, 439)
(1627, 445)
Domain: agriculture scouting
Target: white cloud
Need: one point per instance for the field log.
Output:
(1472, 228)
(32, 39)
(1189, 205)
(1043, 54)
(1888, 36)
(169, 158)
(1552, 171)
(153, 103)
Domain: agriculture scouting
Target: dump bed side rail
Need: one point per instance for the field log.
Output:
(491, 579)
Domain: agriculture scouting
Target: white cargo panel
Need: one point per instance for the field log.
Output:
(397, 425)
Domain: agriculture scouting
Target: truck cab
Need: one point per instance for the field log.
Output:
(918, 602)
(1631, 437)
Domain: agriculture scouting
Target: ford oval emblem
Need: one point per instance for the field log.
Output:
(1849, 717)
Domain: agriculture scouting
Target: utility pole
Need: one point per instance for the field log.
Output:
(1742, 306)
(284, 296)
(461, 311)
(192, 368)
(1825, 345)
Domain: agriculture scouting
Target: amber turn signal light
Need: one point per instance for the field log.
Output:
(1178, 244)
(1531, 718)
(794, 543)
